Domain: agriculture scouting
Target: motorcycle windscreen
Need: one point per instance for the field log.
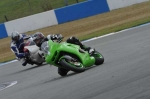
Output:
(45, 47)
(32, 49)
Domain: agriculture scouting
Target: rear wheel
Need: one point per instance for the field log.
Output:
(99, 59)
(72, 64)
(62, 71)
(39, 64)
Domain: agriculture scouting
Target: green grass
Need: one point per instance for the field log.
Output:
(8, 59)
(116, 28)
(14, 9)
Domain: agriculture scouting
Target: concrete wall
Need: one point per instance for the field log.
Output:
(32, 22)
(115, 4)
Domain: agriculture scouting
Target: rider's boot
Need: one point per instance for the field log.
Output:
(25, 63)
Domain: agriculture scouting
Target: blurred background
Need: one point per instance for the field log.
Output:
(14, 9)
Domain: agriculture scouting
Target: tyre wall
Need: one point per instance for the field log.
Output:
(81, 10)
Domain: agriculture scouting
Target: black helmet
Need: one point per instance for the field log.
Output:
(37, 38)
(15, 36)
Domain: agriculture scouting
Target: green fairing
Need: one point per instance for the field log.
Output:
(56, 48)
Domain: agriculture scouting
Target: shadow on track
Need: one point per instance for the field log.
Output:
(68, 75)
(59, 78)
(33, 67)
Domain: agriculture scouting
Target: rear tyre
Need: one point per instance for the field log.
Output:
(39, 64)
(72, 65)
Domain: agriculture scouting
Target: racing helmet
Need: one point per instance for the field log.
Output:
(15, 36)
(38, 37)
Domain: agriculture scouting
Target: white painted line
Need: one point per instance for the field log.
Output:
(9, 85)
(98, 37)
(106, 35)
(8, 62)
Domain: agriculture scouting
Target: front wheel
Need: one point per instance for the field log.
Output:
(72, 64)
(99, 59)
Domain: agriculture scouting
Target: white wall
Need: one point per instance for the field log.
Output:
(33, 22)
(115, 4)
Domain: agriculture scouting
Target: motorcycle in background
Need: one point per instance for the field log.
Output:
(35, 55)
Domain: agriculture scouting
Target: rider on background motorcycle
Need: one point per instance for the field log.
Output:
(17, 46)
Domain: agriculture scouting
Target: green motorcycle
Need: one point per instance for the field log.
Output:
(69, 56)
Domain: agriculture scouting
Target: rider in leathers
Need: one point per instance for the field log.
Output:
(17, 46)
(39, 39)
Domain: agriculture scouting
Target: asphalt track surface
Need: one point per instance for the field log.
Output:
(125, 73)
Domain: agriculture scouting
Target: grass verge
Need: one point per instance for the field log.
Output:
(116, 28)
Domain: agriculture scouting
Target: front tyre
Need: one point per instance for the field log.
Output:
(72, 65)
(99, 59)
